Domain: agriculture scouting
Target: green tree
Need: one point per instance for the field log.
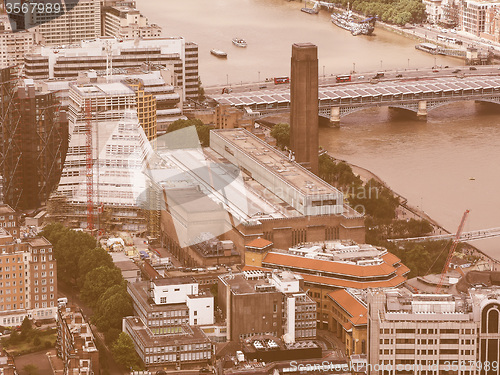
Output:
(201, 91)
(202, 129)
(124, 352)
(26, 328)
(281, 132)
(91, 259)
(98, 281)
(114, 304)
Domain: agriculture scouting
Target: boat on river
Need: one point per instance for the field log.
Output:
(347, 22)
(239, 42)
(219, 53)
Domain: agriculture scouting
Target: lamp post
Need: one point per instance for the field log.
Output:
(323, 71)
(259, 76)
(408, 63)
(354, 67)
(381, 64)
(227, 79)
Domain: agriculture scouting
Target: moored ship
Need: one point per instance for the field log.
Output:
(356, 27)
(219, 53)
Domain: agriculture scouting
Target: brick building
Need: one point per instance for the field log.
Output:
(76, 343)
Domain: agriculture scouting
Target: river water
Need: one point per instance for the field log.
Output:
(431, 163)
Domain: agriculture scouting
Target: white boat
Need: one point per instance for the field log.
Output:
(219, 53)
(239, 42)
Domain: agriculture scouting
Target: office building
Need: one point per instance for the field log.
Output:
(252, 191)
(256, 303)
(108, 53)
(428, 333)
(79, 20)
(304, 105)
(120, 150)
(166, 330)
(28, 282)
(329, 266)
(13, 45)
(35, 136)
(126, 22)
(76, 344)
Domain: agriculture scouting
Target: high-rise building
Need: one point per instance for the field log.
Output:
(120, 150)
(35, 136)
(258, 303)
(13, 45)
(304, 136)
(126, 22)
(434, 333)
(28, 280)
(80, 20)
(108, 53)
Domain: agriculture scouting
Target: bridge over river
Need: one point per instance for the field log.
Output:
(335, 101)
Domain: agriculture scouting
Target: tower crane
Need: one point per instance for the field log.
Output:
(453, 247)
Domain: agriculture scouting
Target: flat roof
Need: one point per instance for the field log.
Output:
(276, 162)
(174, 280)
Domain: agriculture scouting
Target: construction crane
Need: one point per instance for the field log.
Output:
(453, 247)
(89, 165)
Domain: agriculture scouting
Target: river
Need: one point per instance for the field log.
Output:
(431, 163)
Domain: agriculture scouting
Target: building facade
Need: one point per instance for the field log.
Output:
(166, 329)
(35, 136)
(108, 53)
(76, 344)
(256, 303)
(433, 334)
(28, 280)
(126, 22)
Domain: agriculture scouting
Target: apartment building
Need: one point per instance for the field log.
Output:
(13, 45)
(476, 17)
(9, 220)
(258, 303)
(166, 329)
(78, 20)
(76, 344)
(433, 334)
(28, 280)
(108, 53)
(124, 21)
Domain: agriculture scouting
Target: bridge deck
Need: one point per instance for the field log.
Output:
(362, 94)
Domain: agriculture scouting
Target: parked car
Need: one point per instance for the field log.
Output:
(399, 75)
(435, 70)
(472, 68)
(361, 77)
(456, 71)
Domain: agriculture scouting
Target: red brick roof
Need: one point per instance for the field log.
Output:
(356, 310)
(391, 259)
(341, 268)
(340, 283)
(259, 243)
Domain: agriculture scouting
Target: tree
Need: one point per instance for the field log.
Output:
(202, 129)
(281, 132)
(114, 304)
(26, 328)
(201, 91)
(91, 259)
(124, 352)
(98, 281)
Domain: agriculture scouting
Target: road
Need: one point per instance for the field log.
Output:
(363, 77)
